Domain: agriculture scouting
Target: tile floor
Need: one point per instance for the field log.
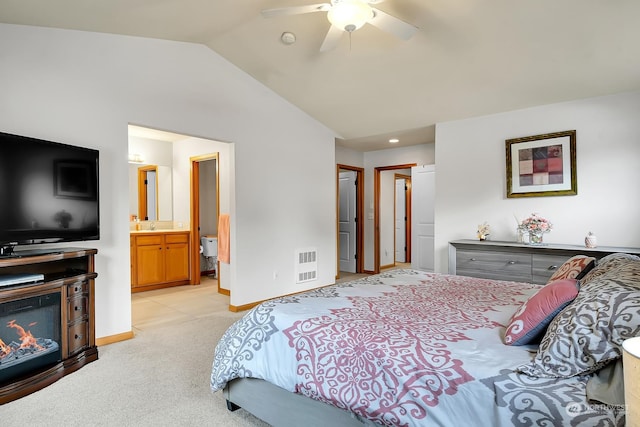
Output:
(177, 304)
(182, 303)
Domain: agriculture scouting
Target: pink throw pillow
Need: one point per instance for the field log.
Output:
(529, 323)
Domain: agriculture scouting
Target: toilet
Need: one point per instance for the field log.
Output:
(209, 246)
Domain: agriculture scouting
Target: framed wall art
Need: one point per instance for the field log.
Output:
(542, 165)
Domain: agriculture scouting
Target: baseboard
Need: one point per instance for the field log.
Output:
(110, 339)
(384, 267)
(226, 292)
(245, 307)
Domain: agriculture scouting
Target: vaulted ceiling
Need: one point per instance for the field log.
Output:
(468, 58)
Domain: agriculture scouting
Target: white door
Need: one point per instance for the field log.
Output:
(347, 221)
(401, 221)
(423, 195)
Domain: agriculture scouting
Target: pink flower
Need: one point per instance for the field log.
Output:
(537, 223)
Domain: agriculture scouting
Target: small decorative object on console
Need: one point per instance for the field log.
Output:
(521, 231)
(483, 231)
(536, 226)
(591, 241)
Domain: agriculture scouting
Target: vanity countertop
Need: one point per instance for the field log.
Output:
(164, 231)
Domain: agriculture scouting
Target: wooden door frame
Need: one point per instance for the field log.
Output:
(195, 214)
(376, 210)
(142, 191)
(359, 219)
(407, 214)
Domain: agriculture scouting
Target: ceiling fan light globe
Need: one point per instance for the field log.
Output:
(349, 15)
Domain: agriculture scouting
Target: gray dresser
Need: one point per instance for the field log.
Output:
(516, 261)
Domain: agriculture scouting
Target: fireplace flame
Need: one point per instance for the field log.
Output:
(26, 348)
(28, 340)
(4, 349)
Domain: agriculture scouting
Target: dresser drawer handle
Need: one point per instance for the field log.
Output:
(553, 267)
(472, 259)
(78, 336)
(76, 308)
(78, 288)
(511, 262)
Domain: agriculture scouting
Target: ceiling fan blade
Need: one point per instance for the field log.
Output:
(332, 38)
(392, 25)
(296, 10)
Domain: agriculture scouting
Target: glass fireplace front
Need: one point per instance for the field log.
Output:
(30, 337)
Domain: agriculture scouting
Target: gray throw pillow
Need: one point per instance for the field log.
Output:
(588, 333)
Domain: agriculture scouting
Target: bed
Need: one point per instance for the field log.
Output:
(411, 348)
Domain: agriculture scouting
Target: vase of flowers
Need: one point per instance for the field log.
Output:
(536, 226)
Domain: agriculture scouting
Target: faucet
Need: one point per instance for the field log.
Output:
(152, 225)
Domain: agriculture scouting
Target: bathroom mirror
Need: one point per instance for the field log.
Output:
(156, 198)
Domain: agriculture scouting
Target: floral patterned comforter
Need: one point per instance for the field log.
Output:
(404, 348)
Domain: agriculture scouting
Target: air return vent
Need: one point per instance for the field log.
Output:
(306, 265)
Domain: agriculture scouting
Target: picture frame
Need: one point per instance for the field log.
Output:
(74, 180)
(542, 165)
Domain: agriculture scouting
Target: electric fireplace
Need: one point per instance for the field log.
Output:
(30, 337)
(47, 318)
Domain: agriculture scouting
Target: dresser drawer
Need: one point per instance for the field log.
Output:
(545, 265)
(149, 240)
(77, 308)
(78, 337)
(78, 288)
(494, 265)
(177, 238)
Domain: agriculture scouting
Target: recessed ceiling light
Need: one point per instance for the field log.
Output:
(394, 140)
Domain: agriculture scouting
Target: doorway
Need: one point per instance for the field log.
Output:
(376, 209)
(147, 193)
(402, 218)
(350, 226)
(205, 210)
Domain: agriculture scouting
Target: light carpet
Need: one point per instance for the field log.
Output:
(159, 378)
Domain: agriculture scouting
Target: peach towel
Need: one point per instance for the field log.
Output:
(223, 238)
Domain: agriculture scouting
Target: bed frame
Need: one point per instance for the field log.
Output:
(280, 407)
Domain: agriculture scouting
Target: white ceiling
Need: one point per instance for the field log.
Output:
(469, 58)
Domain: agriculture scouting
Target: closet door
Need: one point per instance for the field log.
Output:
(423, 192)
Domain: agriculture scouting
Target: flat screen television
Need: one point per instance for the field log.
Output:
(48, 192)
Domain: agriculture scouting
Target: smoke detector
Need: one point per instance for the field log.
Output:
(288, 38)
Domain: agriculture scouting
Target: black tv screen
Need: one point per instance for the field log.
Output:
(48, 192)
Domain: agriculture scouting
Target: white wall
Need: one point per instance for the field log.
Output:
(346, 156)
(152, 151)
(85, 88)
(471, 182)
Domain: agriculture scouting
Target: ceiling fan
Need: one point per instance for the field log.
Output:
(348, 16)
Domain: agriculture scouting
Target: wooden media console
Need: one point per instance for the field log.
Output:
(64, 292)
